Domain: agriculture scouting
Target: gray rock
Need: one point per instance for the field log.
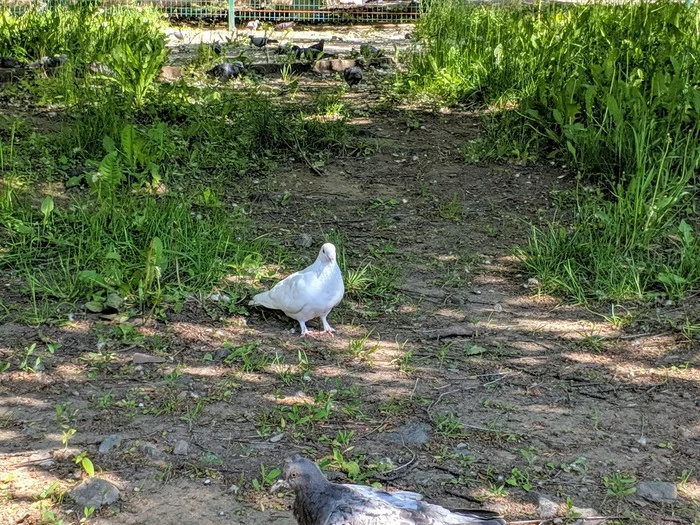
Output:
(181, 448)
(586, 513)
(410, 434)
(139, 358)
(150, 450)
(657, 491)
(304, 241)
(546, 506)
(94, 493)
(109, 443)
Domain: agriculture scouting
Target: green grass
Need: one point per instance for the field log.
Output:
(611, 90)
(126, 200)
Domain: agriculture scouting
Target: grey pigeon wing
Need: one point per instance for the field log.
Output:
(402, 499)
(368, 512)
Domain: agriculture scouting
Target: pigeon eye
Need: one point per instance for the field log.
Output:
(294, 474)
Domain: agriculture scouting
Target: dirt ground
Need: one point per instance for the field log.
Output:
(469, 380)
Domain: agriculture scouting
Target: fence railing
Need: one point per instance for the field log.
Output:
(276, 11)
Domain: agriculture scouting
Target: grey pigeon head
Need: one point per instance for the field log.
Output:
(319, 45)
(353, 75)
(300, 474)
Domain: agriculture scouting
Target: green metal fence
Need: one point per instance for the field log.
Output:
(239, 12)
(326, 11)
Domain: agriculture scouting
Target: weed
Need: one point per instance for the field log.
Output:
(30, 363)
(451, 210)
(449, 425)
(393, 406)
(247, 355)
(351, 468)
(267, 478)
(85, 462)
(496, 491)
(619, 485)
(360, 349)
(519, 478)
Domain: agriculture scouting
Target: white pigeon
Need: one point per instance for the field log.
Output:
(310, 293)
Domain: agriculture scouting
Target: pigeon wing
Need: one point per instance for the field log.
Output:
(368, 512)
(289, 295)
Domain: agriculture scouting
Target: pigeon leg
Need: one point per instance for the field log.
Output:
(304, 331)
(328, 329)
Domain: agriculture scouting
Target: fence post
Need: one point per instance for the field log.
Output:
(231, 16)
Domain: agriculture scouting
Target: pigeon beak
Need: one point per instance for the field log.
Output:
(330, 258)
(279, 485)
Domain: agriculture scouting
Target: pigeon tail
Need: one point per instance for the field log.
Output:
(480, 516)
(263, 299)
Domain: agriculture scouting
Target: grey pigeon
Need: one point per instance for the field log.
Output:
(227, 71)
(353, 75)
(261, 41)
(49, 62)
(312, 292)
(319, 45)
(9, 62)
(320, 502)
(284, 26)
(252, 25)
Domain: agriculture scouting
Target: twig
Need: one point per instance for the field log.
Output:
(496, 380)
(384, 476)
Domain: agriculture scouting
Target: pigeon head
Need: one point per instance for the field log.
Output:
(300, 474)
(327, 253)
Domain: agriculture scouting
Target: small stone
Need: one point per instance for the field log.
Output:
(207, 481)
(304, 241)
(139, 358)
(497, 307)
(643, 441)
(233, 489)
(109, 443)
(219, 297)
(387, 463)
(634, 450)
(277, 438)
(410, 434)
(95, 493)
(181, 448)
(150, 450)
(547, 507)
(533, 282)
(586, 513)
(657, 491)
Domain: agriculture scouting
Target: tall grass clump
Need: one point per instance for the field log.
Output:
(125, 198)
(612, 90)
